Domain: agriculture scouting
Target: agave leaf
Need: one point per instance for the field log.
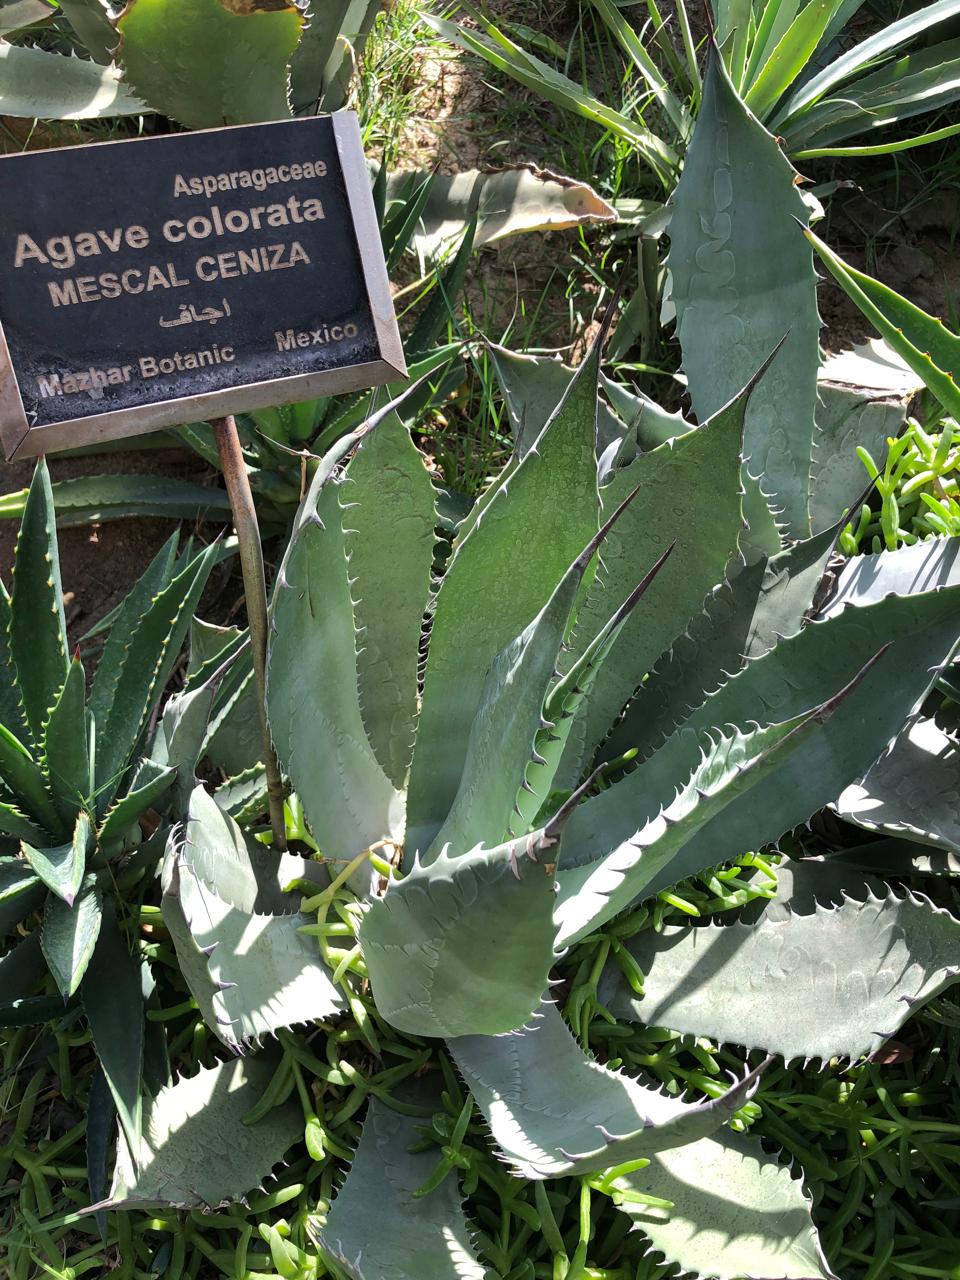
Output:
(511, 717)
(913, 790)
(17, 14)
(742, 283)
(11, 705)
(61, 869)
(703, 466)
(546, 505)
(24, 778)
(388, 519)
(796, 107)
(133, 608)
(91, 23)
(48, 86)
(926, 566)
(38, 633)
(423, 1236)
(21, 891)
(317, 46)
(509, 202)
(347, 48)
(250, 974)
(21, 968)
(896, 857)
(144, 669)
(101, 1126)
(245, 875)
(312, 691)
(562, 703)
(849, 415)
(552, 1110)
(244, 797)
(183, 1159)
(151, 782)
(112, 999)
(210, 62)
(851, 973)
(752, 609)
(69, 934)
(480, 922)
(533, 385)
(17, 824)
(65, 751)
(221, 657)
(721, 769)
(736, 1211)
(930, 349)
(180, 736)
(796, 674)
(92, 499)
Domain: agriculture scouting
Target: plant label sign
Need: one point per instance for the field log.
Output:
(174, 279)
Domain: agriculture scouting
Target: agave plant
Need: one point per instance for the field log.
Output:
(77, 779)
(628, 671)
(784, 59)
(909, 793)
(202, 62)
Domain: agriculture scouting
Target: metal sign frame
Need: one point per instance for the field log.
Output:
(21, 440)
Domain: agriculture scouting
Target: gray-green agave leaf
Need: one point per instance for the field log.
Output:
(742, 279)
(196, 1151)
(913, 790)
(478, 923)
(426, 1237)
(553, 1110)
(735, 1211)
(849, 973)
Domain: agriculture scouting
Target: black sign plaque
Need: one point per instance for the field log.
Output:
(174, 279)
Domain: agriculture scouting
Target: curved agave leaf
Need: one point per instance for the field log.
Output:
(533, 386)
(69, 934)
(552, 1110)
(48, 86)
(913, 790)
(112, 997)
(736, 1211)
(247, 876)
(38, 632)
(926, 566)
(721, 770)
(511, 552)
(65, 754)
(504, 736)
(211, 62)
(389, 519)
(250, 974)
(465, 944)
(21, 891)
(741, 282)
(704, 467)
(312, 687)
(851, 974)
(751, 610)
(920, 632)
(928, 347)
(61, 869)
(422, 1236)
(183, 1159)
